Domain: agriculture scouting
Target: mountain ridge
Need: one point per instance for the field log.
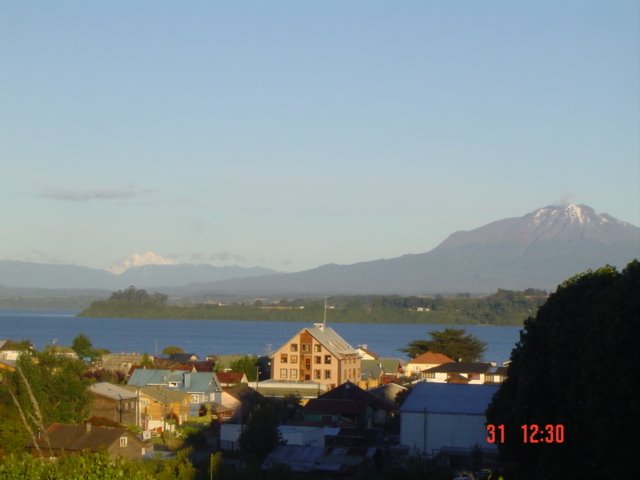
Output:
(537, 250)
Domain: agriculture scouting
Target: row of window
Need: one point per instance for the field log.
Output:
(293, 374)
(317, 359)
(306, 347)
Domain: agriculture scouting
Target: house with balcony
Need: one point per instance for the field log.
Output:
(318, 355)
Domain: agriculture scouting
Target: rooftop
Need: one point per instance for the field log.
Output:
(109, 390)
(449, 398)
(431, 357)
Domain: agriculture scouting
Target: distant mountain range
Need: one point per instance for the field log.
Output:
(539, 250)
(41, 275)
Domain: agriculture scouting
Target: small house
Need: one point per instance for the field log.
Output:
(60, 439)
(425, 361)
(113, 402)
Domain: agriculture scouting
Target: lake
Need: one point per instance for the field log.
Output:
(205, 337)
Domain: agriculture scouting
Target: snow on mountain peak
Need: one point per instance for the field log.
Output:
(580, 214)
(138, 260)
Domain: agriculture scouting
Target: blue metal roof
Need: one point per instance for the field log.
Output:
(186, 381)
(449, 398)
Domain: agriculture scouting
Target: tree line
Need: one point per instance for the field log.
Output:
(505, 307)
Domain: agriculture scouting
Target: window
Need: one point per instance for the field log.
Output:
(283, 358)
(283, 373)
(474, 376)
(317, 359)
(294, 373)
(327, 359)
(123, 441)
(294, 359)
(294, 347)
(306, 347)
(327, 374)
(316, 374)
(430, 375)
(317, 348)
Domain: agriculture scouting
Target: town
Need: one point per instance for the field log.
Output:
(316, 406)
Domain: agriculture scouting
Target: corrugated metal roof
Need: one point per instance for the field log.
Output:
(330, 339)
(449, 398)
(197, 381)
(110, 390)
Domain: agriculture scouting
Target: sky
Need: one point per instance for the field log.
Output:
(292, 134)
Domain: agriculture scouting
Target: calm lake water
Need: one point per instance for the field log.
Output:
(205, 337)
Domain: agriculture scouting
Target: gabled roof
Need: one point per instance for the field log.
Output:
(230, 377)
(11, 345)
(368, 351)
(460, 367)
(448, 398)
(198, 381)
(164, 395)
(387, 393)
(375, 368)
(431, 358)
(347, 392)
(109, 390)
(329, 339)
(242, 392)
(79, 437)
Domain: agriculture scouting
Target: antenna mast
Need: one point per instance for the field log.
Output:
(324, 319)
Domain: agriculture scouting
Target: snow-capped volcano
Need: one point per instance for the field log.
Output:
(138, 260)
(573, 224)
(581, 214)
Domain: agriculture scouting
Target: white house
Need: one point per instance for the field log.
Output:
(440, 417)
(425, 361)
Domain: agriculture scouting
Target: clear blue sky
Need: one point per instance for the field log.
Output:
(293, 134)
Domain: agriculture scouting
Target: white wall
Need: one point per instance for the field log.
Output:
(442, 430)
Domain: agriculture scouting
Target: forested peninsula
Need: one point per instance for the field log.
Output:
(505, 307)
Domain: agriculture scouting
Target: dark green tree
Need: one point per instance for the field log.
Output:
(247, 365)
(83, 347)
(452, 342)
(49, 388)
(260, 434)
(171, 349)
(576, 365)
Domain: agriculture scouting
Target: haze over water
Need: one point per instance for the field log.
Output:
(205, 337)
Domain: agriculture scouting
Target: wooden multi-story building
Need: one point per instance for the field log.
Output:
(318, 355)
(113, 402)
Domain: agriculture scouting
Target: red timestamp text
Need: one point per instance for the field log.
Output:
(530, 433)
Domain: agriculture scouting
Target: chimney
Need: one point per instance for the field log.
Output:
(187, 379)
(87, 427)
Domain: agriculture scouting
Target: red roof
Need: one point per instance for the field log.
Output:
(229, 377)
(431, 357)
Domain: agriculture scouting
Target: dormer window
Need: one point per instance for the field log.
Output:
(123, 441)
